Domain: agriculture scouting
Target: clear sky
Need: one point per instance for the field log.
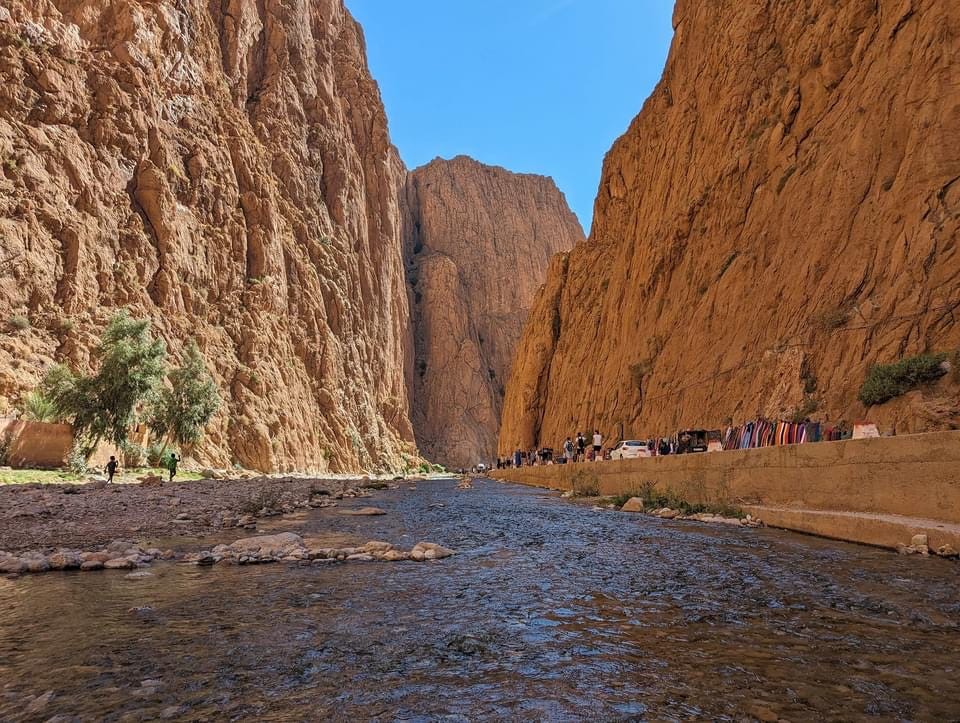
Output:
(536, 86)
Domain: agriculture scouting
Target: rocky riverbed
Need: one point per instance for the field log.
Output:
(547, 611)
(90, 516)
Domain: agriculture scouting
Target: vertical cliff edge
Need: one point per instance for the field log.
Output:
(478, 242)
(224, 169)
(782, 214)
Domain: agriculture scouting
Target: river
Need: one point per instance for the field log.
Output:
(549, 611)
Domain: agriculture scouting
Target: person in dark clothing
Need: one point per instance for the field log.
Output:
(111, 468)
(664, 447)
(172, 464)
(581, 446)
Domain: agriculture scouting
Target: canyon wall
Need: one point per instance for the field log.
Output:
(479, 240)
(782, 214)
(223, 168)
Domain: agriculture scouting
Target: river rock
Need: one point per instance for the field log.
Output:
(120, 563)
(430, 551)
(38, 704)
(361, 557)
(918, 541)
(667, 514)
(88, 565)
(65, 560)
(275, 546)
(376, 547)
(10, 564)
(364, 512)
(947, 551)
(634, 504)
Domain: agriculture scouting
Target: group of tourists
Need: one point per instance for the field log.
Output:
(750, 435)
(579, 449)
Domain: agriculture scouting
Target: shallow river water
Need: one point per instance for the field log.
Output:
(549, 611)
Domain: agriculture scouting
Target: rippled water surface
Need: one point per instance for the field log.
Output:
(550, 611)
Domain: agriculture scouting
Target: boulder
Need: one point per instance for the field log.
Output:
(430, 551)
(65, 560)
(375, 547)
(120, 563)
(364, 512)
(634, 504)
(10, 564)
(274, 546)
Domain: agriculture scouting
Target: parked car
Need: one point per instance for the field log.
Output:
(630, 449)
(692, 440)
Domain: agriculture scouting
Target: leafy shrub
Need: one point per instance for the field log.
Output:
(654, 499)
(831, 319)
(77, 458)
(155, 454)
(804, 410)
(37, 407)
(585, 484)
(133, 454)
(19, 322)
(888, 381)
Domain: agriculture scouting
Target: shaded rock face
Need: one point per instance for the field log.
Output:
(225, 169)
(782, 214)
(479, 240)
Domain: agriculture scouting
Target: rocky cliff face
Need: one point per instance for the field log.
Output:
(225, 169)
(478, 240)
(783, 213)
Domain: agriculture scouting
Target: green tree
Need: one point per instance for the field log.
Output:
(180, 412)
(38, 408)
(105, 405)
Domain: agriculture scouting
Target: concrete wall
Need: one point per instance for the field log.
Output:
(916, 476)
(35, 444)
(44, 445)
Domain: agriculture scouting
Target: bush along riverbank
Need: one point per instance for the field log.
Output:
(668, 505)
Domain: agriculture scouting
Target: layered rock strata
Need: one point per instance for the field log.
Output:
(225, 170)
(782, 214)
(478, 241)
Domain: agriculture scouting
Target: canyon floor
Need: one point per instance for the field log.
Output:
(547, 611)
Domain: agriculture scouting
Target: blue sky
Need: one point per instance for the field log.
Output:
(536, 86)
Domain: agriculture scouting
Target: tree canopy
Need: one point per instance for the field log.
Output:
(182, 410)
(104, 405)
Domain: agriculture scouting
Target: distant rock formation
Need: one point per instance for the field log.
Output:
(782, 214)
(478, 242)
(224, 169)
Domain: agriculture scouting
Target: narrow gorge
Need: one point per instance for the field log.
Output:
(479, 240)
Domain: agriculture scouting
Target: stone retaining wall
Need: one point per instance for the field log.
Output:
(914, 476)
(45, 446)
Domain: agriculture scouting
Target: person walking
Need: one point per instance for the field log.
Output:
(597, 445)
(568, 450)
(516, 458)
(111, 468)
(581, 447)
(172, 464)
